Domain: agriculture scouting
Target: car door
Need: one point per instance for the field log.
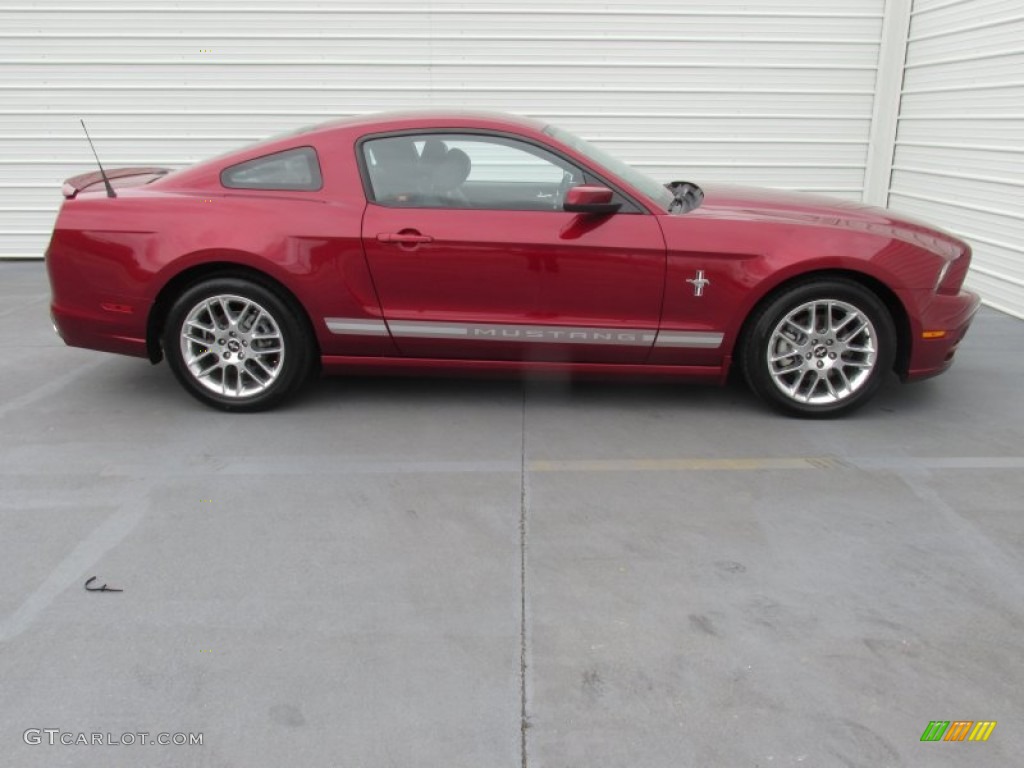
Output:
(473, 257)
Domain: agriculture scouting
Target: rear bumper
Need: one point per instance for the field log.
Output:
(112, 333)
(951, 314)
(93, 302)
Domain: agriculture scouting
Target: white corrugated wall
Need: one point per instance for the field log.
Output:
(774, 92)
(959, 156)
(771, 92)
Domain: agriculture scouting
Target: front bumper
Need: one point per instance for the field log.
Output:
(951, 314)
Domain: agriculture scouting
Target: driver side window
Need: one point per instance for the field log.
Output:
(451, 170)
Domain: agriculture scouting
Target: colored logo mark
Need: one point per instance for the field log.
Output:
(958, 730)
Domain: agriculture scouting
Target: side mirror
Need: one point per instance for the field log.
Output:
(590, 199)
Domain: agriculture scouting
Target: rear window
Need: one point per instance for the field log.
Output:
(294, 169)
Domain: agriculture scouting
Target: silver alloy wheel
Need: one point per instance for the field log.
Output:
(822, 352)
(232, 346)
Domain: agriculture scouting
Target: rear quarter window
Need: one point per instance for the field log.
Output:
(293, 169)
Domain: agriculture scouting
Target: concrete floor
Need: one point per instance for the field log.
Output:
(393, 572)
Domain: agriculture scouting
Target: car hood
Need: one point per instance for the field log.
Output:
(738, 203)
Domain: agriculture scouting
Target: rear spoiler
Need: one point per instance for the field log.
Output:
(131, 177)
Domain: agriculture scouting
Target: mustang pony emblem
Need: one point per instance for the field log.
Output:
(698, 282)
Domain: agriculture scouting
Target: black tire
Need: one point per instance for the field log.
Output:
(246, 349)
(819, 348)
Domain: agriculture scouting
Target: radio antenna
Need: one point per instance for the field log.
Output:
(106, 181)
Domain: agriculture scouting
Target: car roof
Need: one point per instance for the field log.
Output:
(426, 118)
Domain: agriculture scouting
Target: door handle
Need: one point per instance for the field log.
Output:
(404, 237)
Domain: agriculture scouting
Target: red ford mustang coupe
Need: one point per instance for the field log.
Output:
(485, 242)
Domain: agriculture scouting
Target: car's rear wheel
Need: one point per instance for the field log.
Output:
(820, 348)
(236, 345)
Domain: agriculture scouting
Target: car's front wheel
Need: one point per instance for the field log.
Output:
(820, 348)
(236, 345)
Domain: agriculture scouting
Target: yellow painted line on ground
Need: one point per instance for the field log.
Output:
(684, 465)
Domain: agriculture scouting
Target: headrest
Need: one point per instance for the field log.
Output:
(394, 152)
(433, 152)
(452, 171)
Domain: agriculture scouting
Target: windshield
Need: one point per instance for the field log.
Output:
(641, 181)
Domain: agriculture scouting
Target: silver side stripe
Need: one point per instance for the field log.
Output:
(548, 334)
(428, 330)
(541, 333)
(695, 339)
(350, 327)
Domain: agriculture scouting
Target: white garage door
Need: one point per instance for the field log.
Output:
(774, 92)
(959, 157)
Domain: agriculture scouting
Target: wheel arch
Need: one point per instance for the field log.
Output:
(888, 297)
(197, 273)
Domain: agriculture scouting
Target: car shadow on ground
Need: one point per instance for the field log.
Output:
(153, 387)
(733, 398)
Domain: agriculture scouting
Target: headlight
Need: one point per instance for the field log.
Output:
(951, 277)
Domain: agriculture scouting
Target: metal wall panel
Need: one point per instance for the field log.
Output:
(773, 92)
(959, 156)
